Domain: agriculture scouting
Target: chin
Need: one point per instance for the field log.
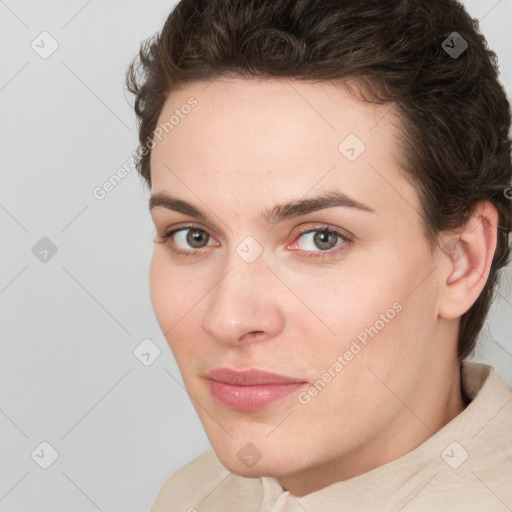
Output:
(260, 469)
(251, 460)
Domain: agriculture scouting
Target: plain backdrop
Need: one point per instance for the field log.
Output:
(74, 292)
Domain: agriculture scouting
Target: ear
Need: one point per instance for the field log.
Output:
(465, 261)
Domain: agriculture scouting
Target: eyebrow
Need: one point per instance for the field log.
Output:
(275, 214)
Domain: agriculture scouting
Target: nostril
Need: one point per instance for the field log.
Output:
(251, 336)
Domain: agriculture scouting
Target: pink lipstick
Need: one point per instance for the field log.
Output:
(250, 390)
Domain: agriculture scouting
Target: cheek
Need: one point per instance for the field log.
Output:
(344, 304)
(169, 294)
(176, 298)
(158, 285)
(400, 328)
(368, 315)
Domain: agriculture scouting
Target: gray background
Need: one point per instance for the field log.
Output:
(70, 325)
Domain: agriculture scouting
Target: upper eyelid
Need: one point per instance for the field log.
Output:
(317, 227)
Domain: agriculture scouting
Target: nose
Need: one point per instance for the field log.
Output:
(244, 305)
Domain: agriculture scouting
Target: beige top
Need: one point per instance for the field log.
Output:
(466, 466)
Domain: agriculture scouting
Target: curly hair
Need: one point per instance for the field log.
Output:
(455, 142)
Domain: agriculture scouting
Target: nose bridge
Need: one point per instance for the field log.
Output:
(243, 300)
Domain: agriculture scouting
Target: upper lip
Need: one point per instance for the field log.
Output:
(250, 377)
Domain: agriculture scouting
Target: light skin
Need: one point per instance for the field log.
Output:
(247, 146)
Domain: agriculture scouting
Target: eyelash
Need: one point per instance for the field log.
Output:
(308, 254)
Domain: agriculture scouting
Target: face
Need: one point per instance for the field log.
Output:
(337, 298)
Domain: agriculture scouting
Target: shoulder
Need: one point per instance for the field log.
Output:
(487, 420)
(189, 484)
(477, 462)
(484, 382)
(201, 483)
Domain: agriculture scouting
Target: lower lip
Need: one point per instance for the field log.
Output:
(251, 398)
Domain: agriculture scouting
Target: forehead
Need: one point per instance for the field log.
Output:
(254, 110)
(245, 137)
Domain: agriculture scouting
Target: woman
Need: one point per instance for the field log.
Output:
(330, 192)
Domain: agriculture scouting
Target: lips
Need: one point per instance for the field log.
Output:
(249, 377)
(251, 389)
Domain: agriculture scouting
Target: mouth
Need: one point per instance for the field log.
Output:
(250, 390)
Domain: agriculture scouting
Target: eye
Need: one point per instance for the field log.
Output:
(320, 240)
(196, 238)
(192, 236)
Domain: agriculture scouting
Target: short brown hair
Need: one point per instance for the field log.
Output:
(456, 117)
